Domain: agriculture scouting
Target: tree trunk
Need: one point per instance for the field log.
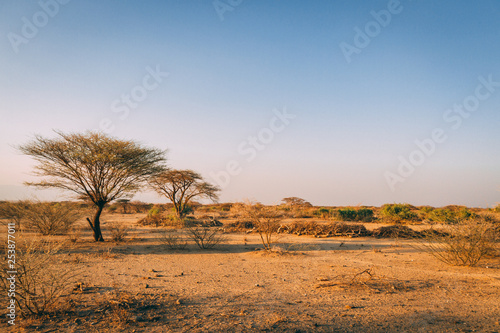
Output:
(96, 225)
(179, 211)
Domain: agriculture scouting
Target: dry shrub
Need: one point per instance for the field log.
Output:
(239, 226)
(51, 218)
(121, 310)
(173, 239)
(265, 218)
(366, 279)
(14, 211)
(301, 228)
(331, 229)
(118, 232)
(395, 231)
(206, 237)
(41, 282)
(153, 220)
(464, 243)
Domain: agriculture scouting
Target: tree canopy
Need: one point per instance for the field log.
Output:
(180, 186)
(94, 166)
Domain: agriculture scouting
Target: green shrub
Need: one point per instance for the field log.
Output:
(349, 214)
(187, 210)
(398, 213)
(450, 216)
(155, 210)
(365, 215)
(346, 214)
(322, 212)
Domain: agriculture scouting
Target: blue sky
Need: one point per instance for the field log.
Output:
(355, 116)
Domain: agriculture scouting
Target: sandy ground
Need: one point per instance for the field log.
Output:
(312, 285)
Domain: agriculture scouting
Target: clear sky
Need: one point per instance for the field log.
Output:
(323, 100)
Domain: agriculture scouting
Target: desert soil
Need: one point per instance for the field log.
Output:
(311, 285)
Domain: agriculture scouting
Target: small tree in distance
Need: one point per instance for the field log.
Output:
(296, 202)
(94, 166)
(181, 186)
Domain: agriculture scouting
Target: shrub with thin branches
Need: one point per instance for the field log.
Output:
(266, 220)
(118, 232)
(51, 218)
(173, 239)
(464, 243)
(14, 211)
(206, 237)
(41, 283)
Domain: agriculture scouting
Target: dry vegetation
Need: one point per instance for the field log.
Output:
(250, 267)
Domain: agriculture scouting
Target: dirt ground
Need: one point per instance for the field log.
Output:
(310, 285)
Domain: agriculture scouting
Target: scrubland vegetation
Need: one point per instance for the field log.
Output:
(104, 262)
(55, 245)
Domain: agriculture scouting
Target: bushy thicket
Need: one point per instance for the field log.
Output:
(350, 214)
(450, 216)
(330, 229)
(398, 213)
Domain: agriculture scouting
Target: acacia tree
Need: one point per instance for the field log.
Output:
(94, 166)
(180, 186)
(296, 202)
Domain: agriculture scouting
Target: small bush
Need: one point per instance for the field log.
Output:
(346, 214)
(118, 232)
(50, 218)
(322, 213)
(14, 211)
(398, 213)
(41, 283)
(152, 220)
(344, 229)
(240, 226)
(302, 213)
(173, 239)
(464, 243)
(155, 210)
(265, 218)
(331, 229)
(450, 216)
(349, 214)
(206, 237)
(497, 208)
(395, 231)
(365, 215)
